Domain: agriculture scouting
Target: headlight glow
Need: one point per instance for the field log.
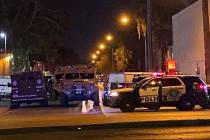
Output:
(114, 94)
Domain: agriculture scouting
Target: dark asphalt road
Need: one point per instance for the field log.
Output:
(117, 134)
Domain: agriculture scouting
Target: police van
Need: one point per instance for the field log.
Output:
(28, 87)
(182, 91)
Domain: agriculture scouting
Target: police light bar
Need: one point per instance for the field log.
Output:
(158, 74)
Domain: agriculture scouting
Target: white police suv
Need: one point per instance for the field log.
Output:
(181, 91)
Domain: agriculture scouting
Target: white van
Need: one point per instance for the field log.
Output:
(5, 89)
(123, 79)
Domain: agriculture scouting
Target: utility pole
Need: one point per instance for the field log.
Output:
(206, 39)
(149, 37)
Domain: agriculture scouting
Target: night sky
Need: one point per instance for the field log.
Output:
(91, 20)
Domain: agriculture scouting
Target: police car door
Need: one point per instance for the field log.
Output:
(149, 91)
(172, 89)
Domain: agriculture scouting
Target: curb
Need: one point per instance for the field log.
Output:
(149, 124)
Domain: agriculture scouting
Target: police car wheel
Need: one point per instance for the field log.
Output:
(14, 105)
(127, 106)
(185, 104)
(44, 103)
(205, 105)
(64, 100)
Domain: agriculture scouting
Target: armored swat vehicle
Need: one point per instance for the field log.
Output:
(76, 83)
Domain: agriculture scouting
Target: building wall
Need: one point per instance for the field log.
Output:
(188, 40)
(5, 65)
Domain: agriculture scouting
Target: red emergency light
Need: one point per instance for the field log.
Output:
(171, 65)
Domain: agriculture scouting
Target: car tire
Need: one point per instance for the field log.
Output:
(64, 102)
(14, 105)
(95, 98)
(205, 106)
(127, 106)
(44, 103)
(186, 104)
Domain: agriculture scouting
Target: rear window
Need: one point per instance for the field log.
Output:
(190, 80)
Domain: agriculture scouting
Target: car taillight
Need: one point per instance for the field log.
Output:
(201, 87)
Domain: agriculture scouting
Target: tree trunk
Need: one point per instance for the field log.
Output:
(206, 38)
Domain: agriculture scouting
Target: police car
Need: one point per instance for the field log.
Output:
(28, 87)
(182, 91)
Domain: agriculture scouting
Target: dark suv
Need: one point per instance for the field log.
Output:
(183, 92)
(28, 87)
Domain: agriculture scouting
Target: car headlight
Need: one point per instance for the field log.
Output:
(114, 94)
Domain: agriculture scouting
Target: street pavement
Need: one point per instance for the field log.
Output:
(57, 116)
(117, 134)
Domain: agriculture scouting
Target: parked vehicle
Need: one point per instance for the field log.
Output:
(77, 83)
(123, 80)
(182, 91)
(5, 89)
(28, 87)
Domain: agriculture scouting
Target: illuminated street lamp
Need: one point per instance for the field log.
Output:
(94, 56)
(97, 52)
(93, 61)
(124, 20)
(102, 46)
(3, 35)
(109, 37)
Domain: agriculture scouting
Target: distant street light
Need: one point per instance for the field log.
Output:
(94, 56)
(3, 35)
(109, 37)
(93, 61)
(98, 52)
(102, 46)
(124, 20)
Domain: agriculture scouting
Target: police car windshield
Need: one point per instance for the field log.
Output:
(59, 76)
(136, 85)
(72, 76)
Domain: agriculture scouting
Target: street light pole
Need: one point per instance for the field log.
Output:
(3, 35)
(5, 43)
(149, 37)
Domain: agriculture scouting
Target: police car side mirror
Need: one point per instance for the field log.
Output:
(9, 84)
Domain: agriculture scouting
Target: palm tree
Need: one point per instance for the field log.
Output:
(142, 31)
(121, 57)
